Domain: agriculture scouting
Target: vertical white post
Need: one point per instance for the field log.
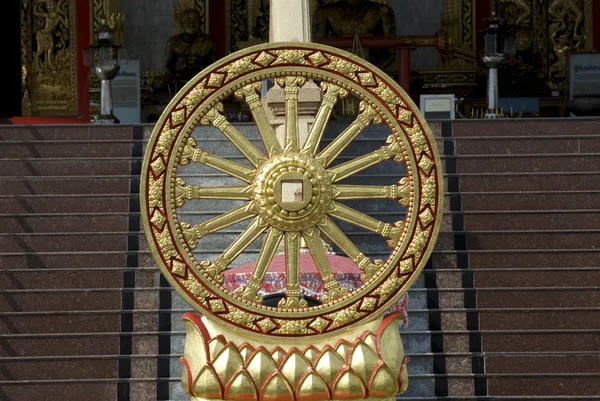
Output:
(290, 21)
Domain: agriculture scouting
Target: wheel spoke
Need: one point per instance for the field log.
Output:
(239, 171)
(218, 120)
(250, 93)
(184, 192)
(345, 192)
(269, 247)
(292, 268)
(313, 240)
(330, 98)
(344, 170)
(257, 227)
(332, 231)
(365, 118)
(193, 234)
(387, 230)
(291, 88)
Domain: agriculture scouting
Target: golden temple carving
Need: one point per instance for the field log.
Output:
(48, 57)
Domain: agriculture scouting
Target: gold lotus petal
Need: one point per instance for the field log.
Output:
(329, 364)
(215, 345)
(363, 360)
(241, 387)
(390, 336)
(227, 362)
(276, 388)
(310, 352)
(260, 365)
(206, 385)
(370, 340)
(294, 366)
(343, 349)
(277, 353)
(312, 387)
(245, 351)
(348, 386)
(383, 383)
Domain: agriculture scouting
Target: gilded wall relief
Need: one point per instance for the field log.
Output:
(547, 32)
(111, 10)
(248, 22)
(48, 57)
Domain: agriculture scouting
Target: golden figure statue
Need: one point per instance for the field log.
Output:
(45, 36)
(350, 17)
(355, 18)
(252, 13)
(524, 10)
(565, 17)
(189, 52)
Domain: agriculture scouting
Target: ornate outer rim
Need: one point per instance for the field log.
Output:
(406, 260)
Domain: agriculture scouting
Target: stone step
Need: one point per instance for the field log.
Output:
(527, 145)
(540, 342)
(543, 364)
(558, 220)
(64, 204)
(30, 260)
(67, 150)
(57, 301)
(64, 167)
(533, 240)
(37, 278)
(529, 164)
(569, 276)
(96, 323)
(536, 386)
(533, 259)
(523, 299)
(65, 133)
(77, 391)
(64, 243)
(530, 182)
(85, 186)
(66, 223)
(526, 129)
(532, 201)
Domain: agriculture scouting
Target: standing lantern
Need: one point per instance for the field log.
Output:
(103, 56)
(499, 46)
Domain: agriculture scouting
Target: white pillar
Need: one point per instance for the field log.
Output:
(290, 21)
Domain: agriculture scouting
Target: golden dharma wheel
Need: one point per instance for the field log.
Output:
(273, 217)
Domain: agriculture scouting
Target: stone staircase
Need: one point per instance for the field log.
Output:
(507, 308)
(526, 217)
(64, 204)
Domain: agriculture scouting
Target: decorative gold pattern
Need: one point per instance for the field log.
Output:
(344, 369)
(265, 204)
(48, 59)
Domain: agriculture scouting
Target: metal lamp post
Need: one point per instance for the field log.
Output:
(104, 57)
(499, 45)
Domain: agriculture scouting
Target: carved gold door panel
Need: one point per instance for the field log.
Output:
(48, 57)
